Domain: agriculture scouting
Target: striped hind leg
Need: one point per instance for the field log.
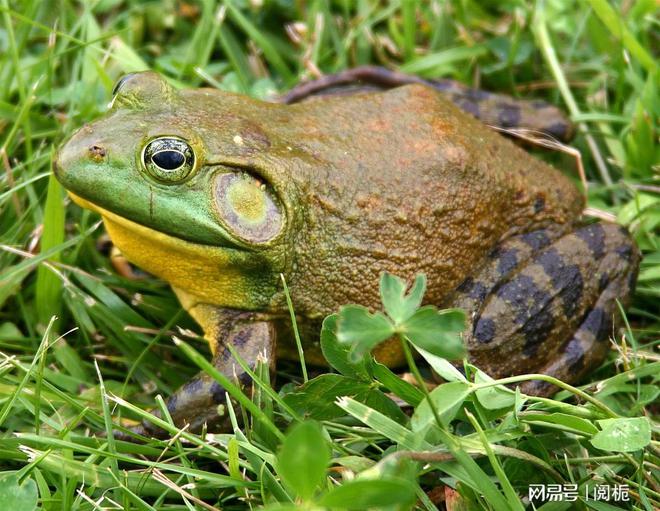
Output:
(588, 346)
(547, 303)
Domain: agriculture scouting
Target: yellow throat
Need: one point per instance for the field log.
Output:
(198, 273)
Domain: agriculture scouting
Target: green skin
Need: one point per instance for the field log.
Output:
(334, 191)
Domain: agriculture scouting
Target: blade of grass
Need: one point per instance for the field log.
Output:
(49, 286)
(540, 30)
(616, 25)
(294, 324)
(260, 39)
(43, 346)
(509, 492)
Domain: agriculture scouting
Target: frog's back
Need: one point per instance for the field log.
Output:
(404, 181)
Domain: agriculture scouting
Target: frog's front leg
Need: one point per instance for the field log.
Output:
(546, 302)
(201, 401)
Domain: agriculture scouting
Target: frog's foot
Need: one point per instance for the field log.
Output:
(543, 303)
(203, 401)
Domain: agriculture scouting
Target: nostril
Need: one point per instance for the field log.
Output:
(97, 153)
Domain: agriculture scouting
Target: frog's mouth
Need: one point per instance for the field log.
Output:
(219, 275)
(130, 236)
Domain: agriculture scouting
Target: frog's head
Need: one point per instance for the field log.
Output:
(173, 177)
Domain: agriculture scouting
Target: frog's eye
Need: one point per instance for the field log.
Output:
(247, 207)
(168, 159)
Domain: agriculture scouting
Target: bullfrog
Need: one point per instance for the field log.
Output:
(220, 194)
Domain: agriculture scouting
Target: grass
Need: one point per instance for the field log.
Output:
(66, 382)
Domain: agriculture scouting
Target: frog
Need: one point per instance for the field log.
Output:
(225, 196)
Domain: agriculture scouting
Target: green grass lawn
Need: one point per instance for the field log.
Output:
(78, 342)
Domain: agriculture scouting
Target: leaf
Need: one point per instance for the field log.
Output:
(495, 397)
(366, 494)
(303, 459)
(338, 354)
(10, 283)
(281, 507)
(507, 488)
(400, 387)
(9, 330)
(361, 329)
(442, 366)
(116, 306)
(429, 63)
(233, 461)
(642, 393)
(270, 482)
(390, 429)
(49, 285)
(397, 304)
(438, 332)
(126, 57)
(18, 496)
(622, 435)
(380, 402)
(316, 398)
(568, 422)
(447, 399)
(261, 39)
(617, 27)
(631, 210)
(354, 463)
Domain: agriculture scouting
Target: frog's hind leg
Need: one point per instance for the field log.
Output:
(545, 303)
(202, 401)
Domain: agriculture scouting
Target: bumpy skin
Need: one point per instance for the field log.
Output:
(400, 181)
(492, 109)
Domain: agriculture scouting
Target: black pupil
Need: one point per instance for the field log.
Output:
(168, 160)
